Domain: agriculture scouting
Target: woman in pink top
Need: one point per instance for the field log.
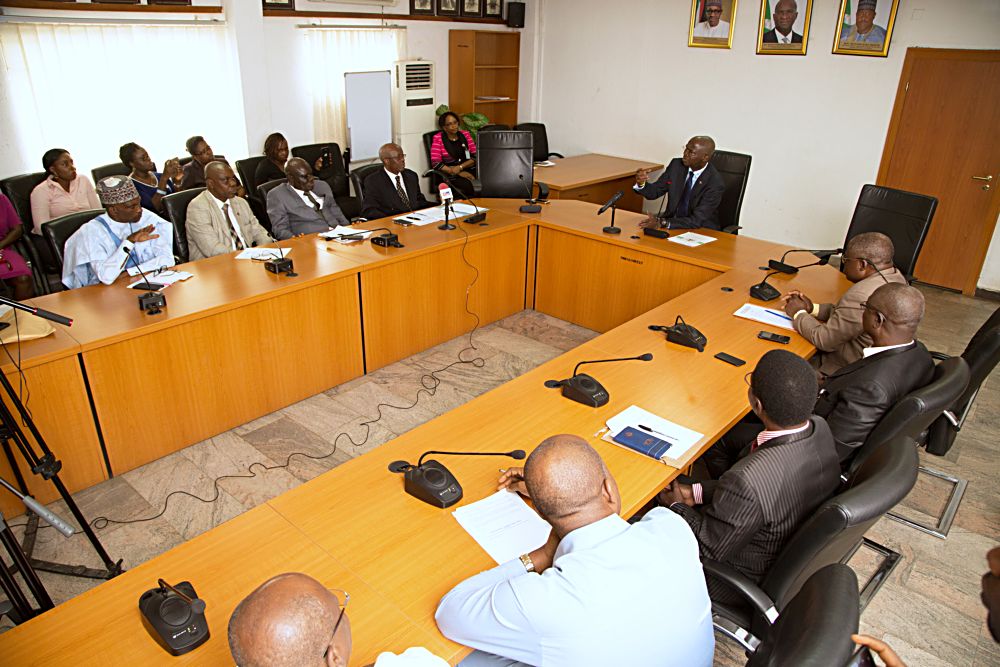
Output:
(453, 152)
(63, 192)
(13, 269)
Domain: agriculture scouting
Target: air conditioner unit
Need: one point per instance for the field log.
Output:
(413, 95)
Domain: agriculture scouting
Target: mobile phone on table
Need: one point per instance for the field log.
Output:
(729, 359)
(774, 338)
(150, 287)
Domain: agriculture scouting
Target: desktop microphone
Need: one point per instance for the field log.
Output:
(763, 291)
(476, 218)
(531, 206)
(153, 300)
(37, 312)
(583, 388)
(446, 197)
(611, 229)
(387, 240)
(174, 616)
(432, 482)
(611, 202)
(824, 258)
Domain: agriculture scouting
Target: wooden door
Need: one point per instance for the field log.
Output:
(944, 140)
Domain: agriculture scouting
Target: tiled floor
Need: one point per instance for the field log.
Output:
(929, 610)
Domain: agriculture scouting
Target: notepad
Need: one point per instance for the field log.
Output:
(344, 234)
(691, 239)
(503, 525)
(623, 427)
(165, 278)
(263, 253)
(769, 316)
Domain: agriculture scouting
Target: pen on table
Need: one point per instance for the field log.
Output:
(503, 470)
(656, 433)
(777, 314)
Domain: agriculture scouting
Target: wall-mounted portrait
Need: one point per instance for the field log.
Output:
(712, 23)
(422, 7)
(784, 27)
(866, 31)
(447, 7)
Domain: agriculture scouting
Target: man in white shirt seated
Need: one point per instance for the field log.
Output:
(124, 236)
(599, 592)
(713, 25)
(292, 620)
(218, 221)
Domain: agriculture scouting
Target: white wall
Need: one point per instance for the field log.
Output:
(621, 79)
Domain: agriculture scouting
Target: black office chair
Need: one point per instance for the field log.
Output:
(335, 175)
(541, 150)
(436, 178)
(34, 248)
(505, 164)
(359, 175)
(903, 216)
(815, 627)
(735, 171)
(247, 170)
(113, 169)
(833, 533)
(176, 206)
(495, 127)
(58, 231)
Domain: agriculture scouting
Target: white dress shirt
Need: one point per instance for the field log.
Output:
(91, 256)
(616, 594)
(694, 179)
(232, 219)
(869, 351)
(416, 656)
(703, 29)
(305, 199)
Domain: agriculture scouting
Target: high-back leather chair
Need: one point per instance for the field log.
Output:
(335, 174)
(359, 175)
(436, 178)
(247, 170)
(735, 171)
(176, 205)
(34, 248)
(831, 535)
(113, 169)
(264, 188)
(903, 216)
(815, 627)
(541, 141)
(505, 164)
(58, 231)
(494, 127)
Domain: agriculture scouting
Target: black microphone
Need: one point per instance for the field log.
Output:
(432, 482)
(824, 256)
(611, 229)
(152, 300)
(763, 291)
(514, 454)
(389, 239)
(582, 388)
(476, 218)
(37, 312)
(197, 604)
(611, 202)
(532, 206)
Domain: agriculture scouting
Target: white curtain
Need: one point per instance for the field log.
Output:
(336, 51)
(91, 88)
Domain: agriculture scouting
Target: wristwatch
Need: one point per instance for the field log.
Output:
(526, 562)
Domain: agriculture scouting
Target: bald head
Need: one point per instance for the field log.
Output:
(902, 308)
(569, 483)
(873, 246)
(698, 152)
(288, 620)
(392, 158)
(299, 174)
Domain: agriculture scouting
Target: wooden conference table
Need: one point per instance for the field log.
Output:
(594, 178)
(353, 527)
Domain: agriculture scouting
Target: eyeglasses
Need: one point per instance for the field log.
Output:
(398, 157)
(746, 378)
(342, 599)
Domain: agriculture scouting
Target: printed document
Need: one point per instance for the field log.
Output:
(770, 316)
(503, 525)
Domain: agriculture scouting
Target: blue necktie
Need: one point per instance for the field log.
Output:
(682, 207)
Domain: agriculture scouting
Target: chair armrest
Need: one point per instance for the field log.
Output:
(742, 585)
(357, 220)
(477, 187)
(732, 229)
(940, 356)
(554, 155)
(543, 190)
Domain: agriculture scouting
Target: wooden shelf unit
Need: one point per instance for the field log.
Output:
(484, 63)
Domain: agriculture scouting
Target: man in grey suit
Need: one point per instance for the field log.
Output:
(746, 516)
(218, 221)
(303, 205)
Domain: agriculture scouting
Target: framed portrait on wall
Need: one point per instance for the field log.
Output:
(493, 9)
(864, 27)
(472, 7)
(712, 23)
(279, 4)
(784, 27)
(422, 6)
(447, 7)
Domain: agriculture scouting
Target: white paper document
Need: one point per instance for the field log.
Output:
(344, 234)
(503, 525)
(458, 209)
(681, 439)
(770, 316)
(165, 278)
(263, 253)
(545, 163)
(691, 240)
(421, 218)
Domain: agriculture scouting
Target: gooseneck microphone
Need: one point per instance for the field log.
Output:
(611, 229)
(37, 312)
(823, 255)
(174, 616)
(763, 291)
(584, 389)
(532, 206)
(432, 482)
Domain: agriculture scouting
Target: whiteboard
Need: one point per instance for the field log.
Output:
(369, 112)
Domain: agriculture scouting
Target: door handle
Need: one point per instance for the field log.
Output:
(983, 178)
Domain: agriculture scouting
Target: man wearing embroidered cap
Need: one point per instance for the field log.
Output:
(125, 236)
(864, 33)
(713, 25)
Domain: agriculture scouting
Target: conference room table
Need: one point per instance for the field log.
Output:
(354, 527)
(594, 178)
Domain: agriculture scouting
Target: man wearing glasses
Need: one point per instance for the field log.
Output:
(292, 620)
(394, 189)
(836, 330)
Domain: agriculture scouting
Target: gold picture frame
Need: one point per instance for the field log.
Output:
(700, 31)
(774, 16)
(849, 40)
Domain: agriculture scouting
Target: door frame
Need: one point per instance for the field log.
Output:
(913, 55)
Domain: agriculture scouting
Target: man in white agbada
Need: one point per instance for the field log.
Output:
(714, 26)
(124, 235)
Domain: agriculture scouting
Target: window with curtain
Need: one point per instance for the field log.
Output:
(89, 88)
(335, 52)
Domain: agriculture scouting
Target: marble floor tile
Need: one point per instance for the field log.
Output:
(374, 402)
(335, 423)
(520, 346)
(473, 380)
(546, 329)
(285, 441)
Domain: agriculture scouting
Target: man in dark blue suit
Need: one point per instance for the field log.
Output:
(785, 14)
(693, 187)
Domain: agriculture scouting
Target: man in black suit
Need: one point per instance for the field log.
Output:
(785, 14)
(747, 515)
(693, 187)
(395, 189)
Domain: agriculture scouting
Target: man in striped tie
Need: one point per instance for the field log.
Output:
(394, 189)
(217, 220)
(693, 187)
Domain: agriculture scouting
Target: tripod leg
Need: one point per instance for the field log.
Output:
(24, 567)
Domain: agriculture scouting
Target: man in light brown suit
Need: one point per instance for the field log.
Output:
(217, 220)
(836, 330)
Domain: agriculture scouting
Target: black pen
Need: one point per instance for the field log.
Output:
(656, 433)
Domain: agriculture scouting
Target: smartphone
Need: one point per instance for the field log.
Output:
(729, 359)
(774, 338)
(862, 658)
(150, 287)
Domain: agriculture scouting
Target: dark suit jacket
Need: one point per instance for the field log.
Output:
(855, 398)
(381, 198)
(758, 504)
(706, 195)
(771, 37)
(290, 215)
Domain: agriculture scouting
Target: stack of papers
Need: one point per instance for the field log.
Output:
(769, 316)
(431, 215)
(691, 240)
(263, 253)
(165, 278)
(503, 525)
(682, 440)
(545, 163)
(344, 234)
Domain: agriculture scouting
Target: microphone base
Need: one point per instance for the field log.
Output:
(446, 226)
(475, 218)
(164, 617)
(432, 483)
(764, 292)
(387, 240)
(152, 302)
(530, 208)
(612, 230)
(584, 389)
